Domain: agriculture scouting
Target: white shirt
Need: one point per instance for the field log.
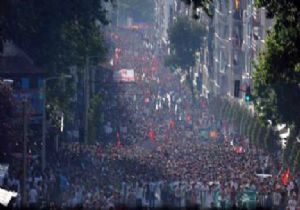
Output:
(139, 193)
(33, 195)
(292, 204)
(276, 198)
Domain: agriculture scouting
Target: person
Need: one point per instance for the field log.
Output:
(292, 203)
(139, 195)
(164, 194)
(33, 196)
(276, 197)
(152, 190)
(177, 195)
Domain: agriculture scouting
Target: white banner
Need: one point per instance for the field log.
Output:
(5, 196)
(124, 75)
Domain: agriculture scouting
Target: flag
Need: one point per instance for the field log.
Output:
(189, 119)
(172, 123)
(118, 140)
(154, 65)
(151, 135)
(238, 149)
(285, 177)
(99, 151)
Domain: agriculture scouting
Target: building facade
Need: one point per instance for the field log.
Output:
(236, 35)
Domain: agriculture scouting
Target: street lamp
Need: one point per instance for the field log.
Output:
(44, 127)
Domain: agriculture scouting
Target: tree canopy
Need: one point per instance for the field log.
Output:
(140, 11)
(203, 4)
(186, 38)
(56, 35)
(8, 132)
(61, 32)
(277, 75)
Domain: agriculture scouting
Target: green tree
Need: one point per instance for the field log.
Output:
(42, 29)
(186, 38)
(8, 131)
(197, 4)
(277, 75)
(140, 11)
(94, 117)
(56, 35)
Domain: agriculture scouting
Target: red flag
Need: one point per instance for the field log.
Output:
(285, 177)
(238, 149)
(118, 140)
(172, 124)
(99, 151)
(154, 65)
(188, 119)
(151, 135)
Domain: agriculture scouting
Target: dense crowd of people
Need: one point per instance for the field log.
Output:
(174, 166)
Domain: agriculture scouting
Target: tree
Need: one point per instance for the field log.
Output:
(277, 75)
(7, 111)
(197, 4)
(94, 117)
(42, 29)
(186, 38)
(140, 11)
(56, 35)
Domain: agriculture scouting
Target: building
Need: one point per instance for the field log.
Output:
(255, 27)
(236, 36)
(27, 81)
(204, 63)
(228, 57)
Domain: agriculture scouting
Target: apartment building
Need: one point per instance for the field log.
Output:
(255, 29)
(239, 30)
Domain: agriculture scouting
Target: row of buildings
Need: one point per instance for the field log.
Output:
(235, 35)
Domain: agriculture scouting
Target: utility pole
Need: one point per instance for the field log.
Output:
(25, 129)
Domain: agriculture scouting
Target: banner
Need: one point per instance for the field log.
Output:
(124, 75)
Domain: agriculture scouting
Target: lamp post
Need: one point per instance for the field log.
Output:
(44, 126)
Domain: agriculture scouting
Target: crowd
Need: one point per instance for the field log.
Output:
(175, 167)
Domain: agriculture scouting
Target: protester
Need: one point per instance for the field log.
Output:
(173, 166)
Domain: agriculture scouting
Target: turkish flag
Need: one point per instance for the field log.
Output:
(285, 177)
(151, 135)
